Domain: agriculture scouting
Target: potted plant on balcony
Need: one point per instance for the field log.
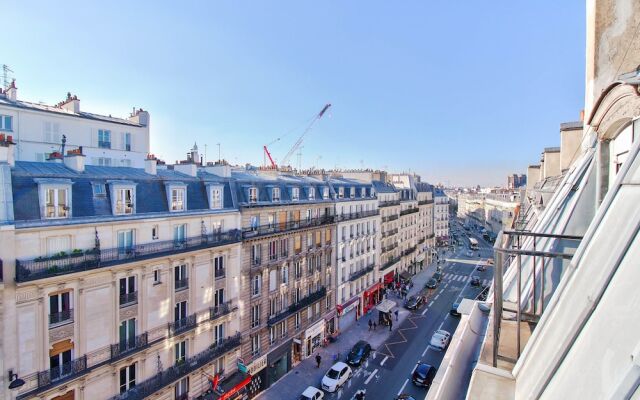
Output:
(77, 253)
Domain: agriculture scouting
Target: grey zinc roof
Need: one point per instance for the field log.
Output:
(423, 187)
(60, 111)
(151, 193)
(382, 187)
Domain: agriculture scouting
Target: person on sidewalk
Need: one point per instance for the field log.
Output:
(396, 312)
(318, 360)
(390, 324)
(370, 324)
(374, 325)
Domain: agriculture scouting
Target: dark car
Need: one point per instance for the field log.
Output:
(413, 302)
(481, 267)
(423, 375)
(431, 284)
(454, 310)
(359, 353)
(475, 281)
(405, 396)
(437, 276)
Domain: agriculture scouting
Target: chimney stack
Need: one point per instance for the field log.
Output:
(139, 116)
(151, 165)
(75, 160)
(7, 147)
(12, 91)
(71, 103)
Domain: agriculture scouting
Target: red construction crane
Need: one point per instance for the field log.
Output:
(297, 144)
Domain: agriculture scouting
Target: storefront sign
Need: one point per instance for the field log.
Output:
(257, 365)
(348, 306)
(315, 330)
(372, 289)
(388, 278)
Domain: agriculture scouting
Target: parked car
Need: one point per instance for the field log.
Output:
(413, 302)
(312, 393)
(475, 281)
(336, 377)
(469, 253)
(481, 267)
(431, 284)
(437, 276)
(423, 375)
(440, 339)
(454, 310)
(405, 396)
(359, 353)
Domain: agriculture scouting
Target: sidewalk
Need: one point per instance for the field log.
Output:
(306, 374)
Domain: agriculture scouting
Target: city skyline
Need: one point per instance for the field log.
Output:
(230, 76)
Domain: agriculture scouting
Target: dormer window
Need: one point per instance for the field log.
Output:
(124, 201)
(352, 193)
(215, 197)
(178, 199)
(312, 193)
(253, 195)
(275, 194)
(363, 192)
(341, 192)
(56, 203)
(295, 194)
(373, 192)
(325, 193)
(99, 190)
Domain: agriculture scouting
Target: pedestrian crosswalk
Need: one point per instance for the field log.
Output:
(463, 279)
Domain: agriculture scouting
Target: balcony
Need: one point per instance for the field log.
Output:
(182, 325)
(220, 273)
(129, 346)
(390, 263)
(388, 203)
(389, 233)
(182, 284)
(270, 229)
(62, 373)
(409, 250)
(409, 211)
(389, 248)
(359, 274)
(59, 318)
(44, 267)
(390, 218)
(294, 308)
(167, 377)
(356, 215)
(423, 202)
(256, 261)
(220, 310)
(127, 299)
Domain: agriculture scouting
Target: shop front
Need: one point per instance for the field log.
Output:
(258, 371)
(313, 338)
(331, 325)
(371, 297)
(348, 312)
(420, 261)
(278, 363)
(388, 279)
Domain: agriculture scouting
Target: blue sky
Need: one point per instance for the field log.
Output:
(462, 92)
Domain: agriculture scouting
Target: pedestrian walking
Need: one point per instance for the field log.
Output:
(396, 312)
(370, 324)
(390, 324)
(318, 360)
(374, 325)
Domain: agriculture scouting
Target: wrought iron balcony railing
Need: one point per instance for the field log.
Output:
(129, 346)
(409, 211)
(181, 284)
(62, 372)
(270, 229)
(361, 273)
(294, 308)
(127, 299)
(60, 264)
(219, 273)
(182, 325)
(356, 215)
(388, 203)
(220, 310)
(58, 318)
(389, 263)
(392, 217)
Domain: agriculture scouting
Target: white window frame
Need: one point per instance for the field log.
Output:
(104, 133)
(341, 192)
(216, 197)
(178, 199)
(3, 123)
(129, 383)
(119, 205)
(253, 195)
(325, 193)
(312, 193)
(275, 194)
(295, 194)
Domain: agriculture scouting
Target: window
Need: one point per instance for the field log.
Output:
(218, 297)
(325, 193)
(352, 192)
(156, 276)
(124, 201)
(6, 123)
(155, 232)
(341, 192)
(57, 203)
(295, 194)
(126, 141)
(180, 311)
(297, 321)
(128, 293)
(99, 190)
(297, 244)
(255, 222)
(309, 214)
(179, 234)
(218, 334)
(180, 276)
(104, 139)
(103, 161)
(256, 252)
(255, 344)
(127, 335)
(218, 266)
(180, 350)
(253, 195)
(273, 250)
(275, 194)
(60, 308)
(255, 315)
(177, 199)
(256, 285)
(217, 227)
(273, 280)
(127, 377)
(125, 242)
(182, 388)
(216, 198)
(285, 274)
(312, 193)
(363, 192)
(60, 362)
(284, 247)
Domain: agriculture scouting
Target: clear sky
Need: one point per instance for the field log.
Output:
(462, 92)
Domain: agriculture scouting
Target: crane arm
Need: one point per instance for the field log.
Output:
(297, 144)
(266, 151)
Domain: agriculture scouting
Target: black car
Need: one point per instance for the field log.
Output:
(431, 284)
(405, 396)
(359, 353)
(413, 302)
(423, 375)
(475, 281)
(454, 310)
(437, 276)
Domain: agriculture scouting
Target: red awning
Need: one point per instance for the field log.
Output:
(373, 288)
(227, 395)
(388, 278)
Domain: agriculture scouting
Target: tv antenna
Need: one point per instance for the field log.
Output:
(6, 75)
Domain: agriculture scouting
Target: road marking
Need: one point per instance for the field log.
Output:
(339, 392)
(403, 385)
(425, 351)
(430, 304)
(442, 323)
(414, 369)
(375, 371)
(425, 310)
(384, 360)
(436, 298)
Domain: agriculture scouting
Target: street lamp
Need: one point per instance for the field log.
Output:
(15, 382)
